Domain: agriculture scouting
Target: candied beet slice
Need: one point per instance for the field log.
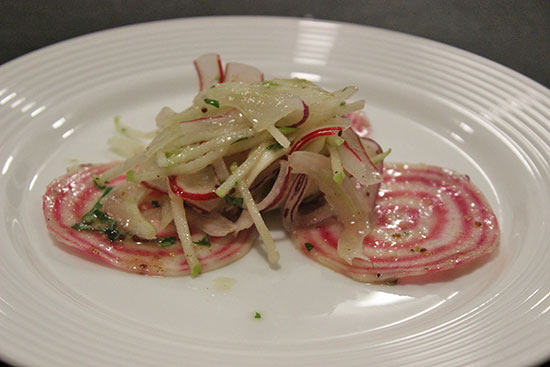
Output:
(427, 219)
(69, 197)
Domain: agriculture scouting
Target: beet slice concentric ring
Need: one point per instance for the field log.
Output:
(69, 197)
(427, 219)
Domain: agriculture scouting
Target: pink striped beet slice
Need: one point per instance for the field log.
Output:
(427, 219)
(71, 196)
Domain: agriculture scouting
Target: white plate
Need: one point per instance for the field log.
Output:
(429, 102)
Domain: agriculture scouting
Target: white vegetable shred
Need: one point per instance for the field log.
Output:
(246, 146)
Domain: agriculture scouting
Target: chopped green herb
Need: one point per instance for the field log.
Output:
(270, 84)
(155, 204)
(233, 166)
(342, 103)
(274, 146)
(338, 177)
(335, 140)
(212, 102)
(96, 220)
(257, 315)
(205, 241)
(107, 191)
(380, 157)
(166, 241)
(240, 139)
(98, 184)
(309, 246)
(196, 270)
(287, 129)
(234, 201)
(131, 176)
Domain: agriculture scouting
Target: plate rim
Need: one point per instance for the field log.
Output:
(46, 49)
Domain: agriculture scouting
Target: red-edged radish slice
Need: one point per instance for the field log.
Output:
(300, 143)
(296, 194)
(356, 160)
(359, 123)
(238, 72)
(69, 197)
(428, 219)
(203, 206)
(198, 186)
(304, 116)
(279, 191)
(158, 186)
(177, 187)
(209, 70)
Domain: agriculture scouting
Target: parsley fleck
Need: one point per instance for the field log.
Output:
(205, 241)
(270, 84)
(234, 201)
(309, 246)
(131, 176)
(97, 221)
(166, 241)
(196, 270)
(212, 102)
(96, 182)
(342, 103)
(240, 139)
(257, 315)
(107, 190)
(274, 146)
(287, 129)
(338, 177)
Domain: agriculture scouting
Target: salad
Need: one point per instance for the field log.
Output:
(189, 196)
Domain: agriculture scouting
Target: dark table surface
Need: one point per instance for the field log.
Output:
(515, 34)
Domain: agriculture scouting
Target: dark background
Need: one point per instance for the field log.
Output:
(513, 33)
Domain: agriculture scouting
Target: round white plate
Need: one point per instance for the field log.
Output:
(429, 102)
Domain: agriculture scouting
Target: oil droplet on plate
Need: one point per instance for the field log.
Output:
(224, 283)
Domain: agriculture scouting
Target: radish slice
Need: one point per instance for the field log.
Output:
(359, 123)
(238, 72)
(296, 194)
(279, 190)
(300, 143)
(209, 70)
(304, 116)
(203, 206)
(159, 185)
(176, 187)
(356, 160)
(213, 224)
(428, 219)
(69, 197)
(197, 186)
